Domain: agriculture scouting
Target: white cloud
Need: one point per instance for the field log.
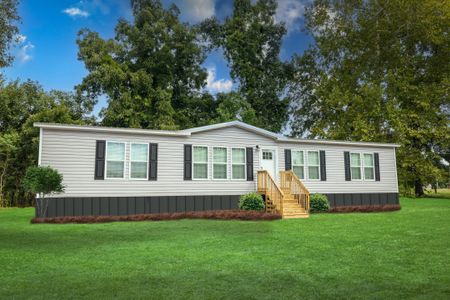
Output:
(24, 54)
(198, 10)
(290, 12)
(217, 86)
(75, 12)
(21, 38)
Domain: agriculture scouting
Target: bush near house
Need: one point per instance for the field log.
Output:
(213, 215)
(42, 181)
(319, 203)
(365, 208)
(251, 201)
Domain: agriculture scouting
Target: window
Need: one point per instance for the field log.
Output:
(268, 155)
(369, 170)
(219, 163)
(238, 163)
(115, 160)
(298, 164)
(355, 166)
(200, 162)
(313, 165)
(139, 161)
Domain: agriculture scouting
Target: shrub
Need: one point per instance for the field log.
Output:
(319, 203)
(214, 215)
(251, 201)
(42, 181)
(365, 208)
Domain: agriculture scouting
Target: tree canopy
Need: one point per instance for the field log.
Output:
(251, 41)
(378, 71)
(22, 104)
(8, 29)
(150, 71)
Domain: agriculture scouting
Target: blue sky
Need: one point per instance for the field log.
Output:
(47, 52)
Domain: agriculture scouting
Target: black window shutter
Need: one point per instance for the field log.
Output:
(187, 162)
(376, 159)
(249, 163)
(100, 160)
(153, 162)
(287, 159)
(348, 176)
(323, 166)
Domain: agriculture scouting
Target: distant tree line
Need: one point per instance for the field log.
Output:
(377, 71)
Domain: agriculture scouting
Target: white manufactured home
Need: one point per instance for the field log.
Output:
(120, 171)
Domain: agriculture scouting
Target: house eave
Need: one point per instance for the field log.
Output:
(336, 142)
(111, 129)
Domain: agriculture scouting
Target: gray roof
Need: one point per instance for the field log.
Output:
(188, 132)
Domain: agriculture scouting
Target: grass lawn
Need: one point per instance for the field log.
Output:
(392, 255)
(441, 193)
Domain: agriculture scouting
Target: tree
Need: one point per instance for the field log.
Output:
(8, 145)
(150, 71)
(378, 71)
(231, 106)
(22, 104)
(42, 181)
(8, 29)
(251, 41)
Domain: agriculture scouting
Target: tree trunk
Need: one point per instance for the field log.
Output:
(418, 188)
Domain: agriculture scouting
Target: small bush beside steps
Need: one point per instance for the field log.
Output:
(251, 201)
(319, 203)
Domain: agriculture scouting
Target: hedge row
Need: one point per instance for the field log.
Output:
(365, 208)
(217, 215)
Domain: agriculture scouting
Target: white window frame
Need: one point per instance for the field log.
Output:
(123, 162)
(131, 160)
(244, 164)
(220, 163)
(207, 162)
(318, 165)
(360, 166)
(364, 166)
(304, 163)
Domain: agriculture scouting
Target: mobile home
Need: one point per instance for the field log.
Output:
(120, 171)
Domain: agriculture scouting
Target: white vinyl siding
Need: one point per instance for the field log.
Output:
(139, 161)
(220, 162)
(298, 163)
(72, 153)
(313, 165)
(115, 160)
(238, 163)
(200, 162)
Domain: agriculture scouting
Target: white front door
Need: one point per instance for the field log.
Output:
(268, 159)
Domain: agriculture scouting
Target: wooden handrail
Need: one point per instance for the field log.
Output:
(268, 187)
(290, 181)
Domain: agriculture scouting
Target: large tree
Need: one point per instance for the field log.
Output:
(378, 71)
(150, 71)
(8, 29)
(251, 41)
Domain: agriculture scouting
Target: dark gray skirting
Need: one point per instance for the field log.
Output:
(120, 206)
(358, 199)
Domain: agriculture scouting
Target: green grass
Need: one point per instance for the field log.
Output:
(441, 193)
(392, 255)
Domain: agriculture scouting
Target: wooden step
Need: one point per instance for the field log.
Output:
(296, 216)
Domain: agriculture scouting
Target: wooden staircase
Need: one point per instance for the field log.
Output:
(290, 199)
